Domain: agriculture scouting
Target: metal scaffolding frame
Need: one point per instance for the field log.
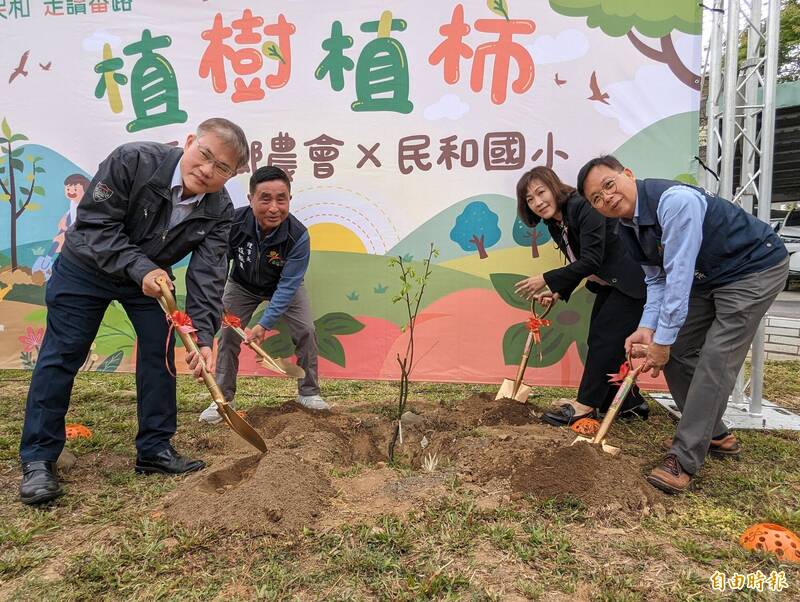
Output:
(737, 98)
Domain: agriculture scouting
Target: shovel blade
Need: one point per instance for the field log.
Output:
(289, 368)
(507, 391)
(241, 427)
(609, 449)
(582, 439)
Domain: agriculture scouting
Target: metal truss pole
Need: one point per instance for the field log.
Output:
(748, 92)
(765, 179)
(713, 99)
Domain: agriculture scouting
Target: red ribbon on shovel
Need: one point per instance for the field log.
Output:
(624, 369)
(231, 321)
(181, 322)
(535, 324)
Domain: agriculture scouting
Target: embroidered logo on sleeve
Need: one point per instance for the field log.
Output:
(102, 192)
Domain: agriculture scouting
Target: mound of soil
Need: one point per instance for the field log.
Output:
(585, 472)
(324, 468)
(508, 411)
(260, 494)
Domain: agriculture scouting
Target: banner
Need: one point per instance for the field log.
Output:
(401, 124)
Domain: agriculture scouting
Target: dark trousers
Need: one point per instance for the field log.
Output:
(614, 317)
(77, 298)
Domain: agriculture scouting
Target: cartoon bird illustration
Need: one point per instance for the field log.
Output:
(559, 82)
(595, 88)
(46, 67)
(20, 70)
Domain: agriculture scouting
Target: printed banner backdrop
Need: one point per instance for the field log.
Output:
(402, 124)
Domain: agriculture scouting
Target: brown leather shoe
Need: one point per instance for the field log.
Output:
(724, 447)
(670, 476)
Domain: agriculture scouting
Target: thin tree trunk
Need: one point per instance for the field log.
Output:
(12, 202)
(478, 242)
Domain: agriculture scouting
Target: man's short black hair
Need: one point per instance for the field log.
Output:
(609, 161)
(267, 174)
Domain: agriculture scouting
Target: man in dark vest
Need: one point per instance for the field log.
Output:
(270, 250)
(712, 271)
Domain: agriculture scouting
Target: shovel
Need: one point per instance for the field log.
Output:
(515, 389)
(238, 424)
(613, 409)
(278, 365)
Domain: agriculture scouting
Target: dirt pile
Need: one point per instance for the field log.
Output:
(324, 468)
(584, 472)
(259, 494)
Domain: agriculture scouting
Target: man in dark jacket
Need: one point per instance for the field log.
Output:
(148, 206)
(270, 250)
(712, 271)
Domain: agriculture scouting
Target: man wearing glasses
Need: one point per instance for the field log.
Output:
(712, 271)
(148, 206)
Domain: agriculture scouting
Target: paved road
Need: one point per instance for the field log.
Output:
(787, 305)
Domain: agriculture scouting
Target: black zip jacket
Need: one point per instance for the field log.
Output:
(597, 250)
(121, 229)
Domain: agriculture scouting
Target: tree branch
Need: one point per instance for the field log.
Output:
(668, 56)
(28, 200)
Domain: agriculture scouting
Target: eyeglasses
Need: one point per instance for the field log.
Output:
(607, 188)
(219, 167)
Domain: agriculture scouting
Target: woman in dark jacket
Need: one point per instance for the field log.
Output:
(592, 250)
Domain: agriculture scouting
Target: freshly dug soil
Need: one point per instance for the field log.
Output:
(585, 472)
(325, 468)
(259, 494)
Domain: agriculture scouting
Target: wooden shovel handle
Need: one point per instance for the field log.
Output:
(169, 305)
(526, 350)
(616, 404)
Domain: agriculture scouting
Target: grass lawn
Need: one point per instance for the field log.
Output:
(108, 540)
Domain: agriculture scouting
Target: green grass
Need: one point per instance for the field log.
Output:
(105, 540)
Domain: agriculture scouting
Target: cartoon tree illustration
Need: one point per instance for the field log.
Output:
(476, 228)
(526, 236)
(651, 19)
(16, 187)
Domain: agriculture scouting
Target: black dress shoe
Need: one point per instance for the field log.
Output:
(167, 461)
(565, 415)
(39, 483)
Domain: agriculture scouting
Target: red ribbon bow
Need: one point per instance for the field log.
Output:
(535, 323)
(182, 323)
(230, 320)
(624, 369)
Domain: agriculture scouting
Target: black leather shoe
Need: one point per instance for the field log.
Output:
(167, 461)
(564, 416)
(39, 483)
(640, 411)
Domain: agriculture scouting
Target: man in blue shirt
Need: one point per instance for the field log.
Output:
(270, 250)
(712, 271)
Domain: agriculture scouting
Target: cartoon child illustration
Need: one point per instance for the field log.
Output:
(74, 187)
